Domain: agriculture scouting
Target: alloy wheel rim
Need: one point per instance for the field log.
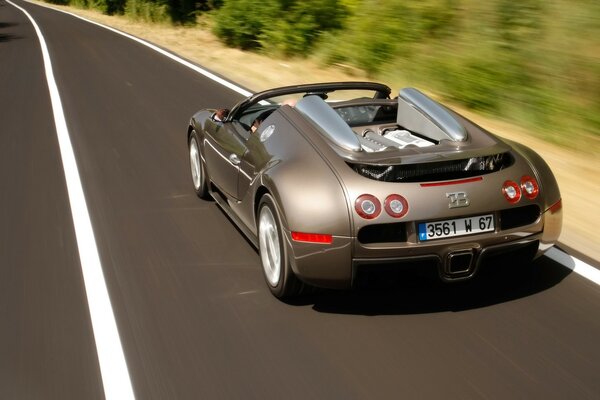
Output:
(270, 251)
(195, 164)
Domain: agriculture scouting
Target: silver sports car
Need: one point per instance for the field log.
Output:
(331, 180)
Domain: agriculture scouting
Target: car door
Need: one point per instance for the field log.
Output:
(224, 149)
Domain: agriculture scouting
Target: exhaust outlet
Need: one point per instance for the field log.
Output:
(459, 264)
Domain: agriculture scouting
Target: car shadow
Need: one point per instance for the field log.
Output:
(494, 284)
(6, 37)
(7, 24)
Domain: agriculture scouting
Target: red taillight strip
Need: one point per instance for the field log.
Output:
(554, 208)
(457, 182)
(312, 237)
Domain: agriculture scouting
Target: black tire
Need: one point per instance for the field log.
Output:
(197, 167)
(273, 254)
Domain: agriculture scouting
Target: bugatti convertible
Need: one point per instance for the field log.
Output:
(332, 180)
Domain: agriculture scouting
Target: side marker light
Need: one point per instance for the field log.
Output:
(312, 237)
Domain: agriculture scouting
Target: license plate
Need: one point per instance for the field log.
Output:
(456, 227)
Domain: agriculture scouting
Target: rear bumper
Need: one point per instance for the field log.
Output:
(456, 265)
(341, 264)
(335, 268)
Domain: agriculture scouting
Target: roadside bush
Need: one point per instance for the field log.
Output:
(147, 10)
(434, 19)
(378, 32)
(163, 11)
(183, 11)
(494, 71)
(286, 27)
(78, 3)
(59, 2)
(300, 25)
(519, 23)
(109, 7)
(240, 23)
(475, 83)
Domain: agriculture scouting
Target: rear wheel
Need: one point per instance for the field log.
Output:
(273, 256)
(197, 167)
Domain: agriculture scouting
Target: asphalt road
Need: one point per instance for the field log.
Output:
(195, 318)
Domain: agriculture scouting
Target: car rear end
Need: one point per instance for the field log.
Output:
(428, 190)
(452, 226)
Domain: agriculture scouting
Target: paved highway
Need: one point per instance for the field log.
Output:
(194, 317)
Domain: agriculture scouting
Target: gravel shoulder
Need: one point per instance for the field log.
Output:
(577, 171)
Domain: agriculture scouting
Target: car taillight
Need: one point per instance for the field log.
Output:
(529, 187)
(511, 191)
(367, 206)
(396, 206)
(312, 237)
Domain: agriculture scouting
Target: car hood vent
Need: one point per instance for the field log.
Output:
(437, 171)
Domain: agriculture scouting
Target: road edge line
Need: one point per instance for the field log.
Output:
(113, 367)
(574, 264)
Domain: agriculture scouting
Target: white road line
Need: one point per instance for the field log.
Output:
(113, 368)
(574, 264)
